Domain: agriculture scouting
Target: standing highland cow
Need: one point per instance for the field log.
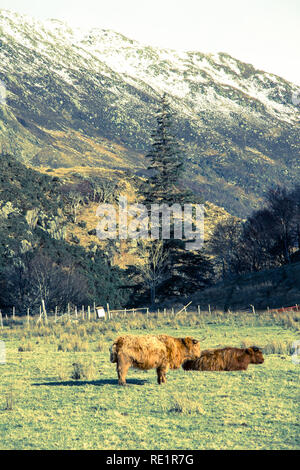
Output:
(225, 359)
(159, 352)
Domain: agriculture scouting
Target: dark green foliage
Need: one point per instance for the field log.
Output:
(25, 187)
(183, 271)
(35, 260)
(166, 160)
(189, 272)
(266, 239)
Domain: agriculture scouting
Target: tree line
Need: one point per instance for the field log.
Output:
(59, 273)
(268, 238)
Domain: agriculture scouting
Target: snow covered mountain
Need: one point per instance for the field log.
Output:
(88, 98)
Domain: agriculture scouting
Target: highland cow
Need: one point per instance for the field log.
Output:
(226, 359)
(159, 352)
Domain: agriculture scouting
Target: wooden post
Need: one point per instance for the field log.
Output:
(76, 312)
(14, 312)
(199, 310)
(165, 311)
(184, 308)
(28, 317)
(95, 313)
(147, 312)
(209, 309)
(44, 311)
(89, 313)
(68, 310)
(55, 314)
(82, 312)
(108, 312)
(253, 309)
(1, 320)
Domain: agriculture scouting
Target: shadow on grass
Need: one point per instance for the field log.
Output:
(97, 383)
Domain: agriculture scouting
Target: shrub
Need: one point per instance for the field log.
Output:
(71, 343)
(278, 347)
(83, 371)
(185, 406)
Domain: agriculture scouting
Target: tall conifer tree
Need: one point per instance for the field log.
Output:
(166, 160)
(185, 271)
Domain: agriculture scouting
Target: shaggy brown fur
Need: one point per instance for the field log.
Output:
(225, 359)
(159, 352)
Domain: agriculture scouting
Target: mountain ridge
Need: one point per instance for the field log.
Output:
(89, 98)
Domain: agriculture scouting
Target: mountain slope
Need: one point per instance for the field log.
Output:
(89, 98)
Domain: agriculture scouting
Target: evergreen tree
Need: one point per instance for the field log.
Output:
(184, 271)
(190, 271)
(166, 160)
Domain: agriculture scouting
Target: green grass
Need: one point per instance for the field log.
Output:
(43, 407)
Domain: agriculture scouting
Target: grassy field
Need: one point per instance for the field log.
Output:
(43, 406)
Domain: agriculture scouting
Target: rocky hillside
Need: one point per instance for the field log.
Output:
(88, 98)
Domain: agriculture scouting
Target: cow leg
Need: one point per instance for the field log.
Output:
(122, 369)
(161, 374)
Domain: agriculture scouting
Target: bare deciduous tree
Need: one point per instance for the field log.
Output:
(153, 267)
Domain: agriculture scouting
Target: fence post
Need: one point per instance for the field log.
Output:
(209, 309)
(199, 310)
(147, 312)
(108, 312)
(1, 320)
(14, 312)
(95, 313)
(89, 313)
(28, 316)
(44, 311)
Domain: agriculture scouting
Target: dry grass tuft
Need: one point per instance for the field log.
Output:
(85, 371)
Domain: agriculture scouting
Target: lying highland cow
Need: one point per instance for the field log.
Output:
(159, 352)
(225, 359)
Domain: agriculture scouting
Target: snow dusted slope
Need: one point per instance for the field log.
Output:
(177, 73)
(78, 97)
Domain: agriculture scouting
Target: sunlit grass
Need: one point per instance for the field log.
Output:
(47, 402)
